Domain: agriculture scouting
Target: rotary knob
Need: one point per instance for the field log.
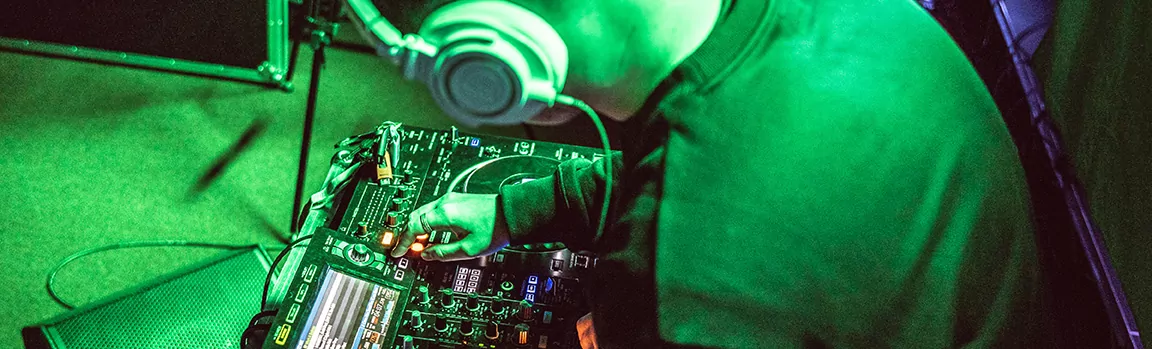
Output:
(522, 334)
(446, 300)
(466, 327)
(441, 325)
(407, 343)
(360, 254)
(526, 313)
(425, 298)
(417, 320)
(393, 219)
(492, 331)
(361, 229)
(497, 307)
(473, 303)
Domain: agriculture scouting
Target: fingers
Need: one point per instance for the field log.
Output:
(586, 332)
(413, 227)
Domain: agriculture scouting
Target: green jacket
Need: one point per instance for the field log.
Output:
(817, 174)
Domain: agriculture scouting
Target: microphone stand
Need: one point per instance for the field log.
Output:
(320, 30)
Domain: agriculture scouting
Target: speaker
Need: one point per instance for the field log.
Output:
(204, 306)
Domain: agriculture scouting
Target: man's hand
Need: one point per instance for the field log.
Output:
(586, 331)
(474, 218)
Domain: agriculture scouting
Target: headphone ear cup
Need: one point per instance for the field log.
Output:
(498, 63)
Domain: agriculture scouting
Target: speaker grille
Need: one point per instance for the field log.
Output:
(207, 307)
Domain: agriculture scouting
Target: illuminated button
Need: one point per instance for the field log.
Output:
(547, 317)
(521, 334)
(399, 275)
(543, 343)
(506, 286)
(402, 263)
(301, 293)
(292, 312)
(532, 280)
(417, 247)
(531, 289)
(282, 334)
(531, 297)
(492, 331)
(466, 327)
(422, 237)
(387, 237)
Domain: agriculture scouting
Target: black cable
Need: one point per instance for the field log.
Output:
(121, 245)
(272, 269)
(569, 100)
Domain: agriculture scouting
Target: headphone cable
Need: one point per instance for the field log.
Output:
(572, 101)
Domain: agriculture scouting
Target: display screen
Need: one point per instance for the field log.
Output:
(349, 313)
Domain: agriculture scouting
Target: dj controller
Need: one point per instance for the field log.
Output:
(348, 292)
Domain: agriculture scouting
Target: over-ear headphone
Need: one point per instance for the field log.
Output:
(486, 62)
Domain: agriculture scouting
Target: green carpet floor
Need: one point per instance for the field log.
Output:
(93, 154)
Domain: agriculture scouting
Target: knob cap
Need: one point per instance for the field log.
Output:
(497, 307)
(473, 303)
(360, 254)
(361, 229)
(441, 325)
(466, 327)
(407, 343)
(447, 300)
(425, 298)
(397, 204)
(492, 331)
(417, 320)
(393, 219)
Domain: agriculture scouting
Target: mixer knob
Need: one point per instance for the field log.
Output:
(466, 327)
(361, 229)
(447, 300)
(497, 307)
(526, 313)
(522, 334)
(397, 204)
(425, 298)
(473, 302)
(393, 219)
(441, 325)
(360, 254)
(417, 320)
(407, 343)
(492, 332)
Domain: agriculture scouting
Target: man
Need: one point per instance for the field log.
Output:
(795, 173)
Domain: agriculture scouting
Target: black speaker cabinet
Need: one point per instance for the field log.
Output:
(206, 306)
(233, 39)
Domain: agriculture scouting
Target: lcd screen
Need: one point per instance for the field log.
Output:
(349, 313)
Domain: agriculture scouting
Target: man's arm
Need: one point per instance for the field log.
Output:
(564, 207)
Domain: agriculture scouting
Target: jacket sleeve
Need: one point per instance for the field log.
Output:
(564, 207)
